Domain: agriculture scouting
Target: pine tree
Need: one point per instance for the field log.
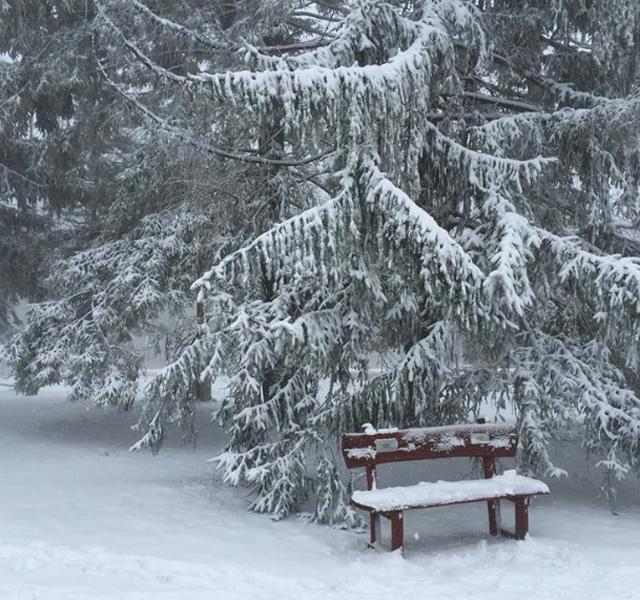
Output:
(173, 202)
(451, 197)
(57, 138)
(108, 222)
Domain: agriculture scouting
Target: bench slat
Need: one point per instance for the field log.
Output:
(489, 440)
(442, 493)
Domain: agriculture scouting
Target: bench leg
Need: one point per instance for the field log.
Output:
(522, 517)
(397, 531)
(374, 527)
(493, 508)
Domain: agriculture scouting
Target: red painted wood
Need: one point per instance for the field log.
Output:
(397, 531)
(371, 477)
(489, 466)
(522, 517)
(493, 506)
(482, 440)
(362, 449)
(374, 527)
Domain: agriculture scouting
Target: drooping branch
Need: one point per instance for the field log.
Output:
(188, 137)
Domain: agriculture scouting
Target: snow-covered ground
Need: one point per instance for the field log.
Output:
(81, 518)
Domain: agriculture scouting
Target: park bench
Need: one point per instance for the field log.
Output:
(485, 441)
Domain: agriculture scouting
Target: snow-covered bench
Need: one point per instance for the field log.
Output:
(481, 440)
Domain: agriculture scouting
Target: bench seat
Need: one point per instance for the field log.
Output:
(442, 493)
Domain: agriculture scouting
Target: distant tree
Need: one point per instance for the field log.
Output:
(44, 77)
(449, 190)
(103, 211)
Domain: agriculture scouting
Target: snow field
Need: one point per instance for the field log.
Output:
(81, 518)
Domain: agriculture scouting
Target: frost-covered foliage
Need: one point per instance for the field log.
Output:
(44, 85)
(106, 293)
(443, 207)
(103, 217)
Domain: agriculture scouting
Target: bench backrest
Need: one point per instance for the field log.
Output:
(384, 446)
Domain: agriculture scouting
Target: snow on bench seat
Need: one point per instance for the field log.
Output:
(440, 493)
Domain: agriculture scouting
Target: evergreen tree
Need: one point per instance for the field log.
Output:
(450, 194)
(56, 132)
(107, 218)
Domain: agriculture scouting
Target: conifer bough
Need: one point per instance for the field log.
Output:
(471, 237)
